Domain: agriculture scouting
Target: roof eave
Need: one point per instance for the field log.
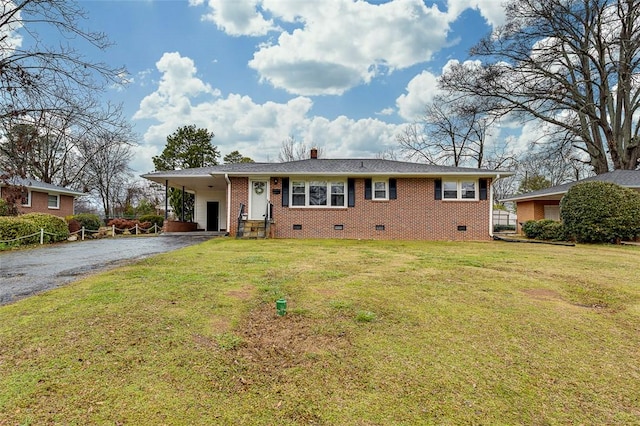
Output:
(535, 197)
(365, 173)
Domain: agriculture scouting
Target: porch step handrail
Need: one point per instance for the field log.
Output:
(267, 218)
(240, 230)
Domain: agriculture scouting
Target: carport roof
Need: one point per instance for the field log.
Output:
(627, 178)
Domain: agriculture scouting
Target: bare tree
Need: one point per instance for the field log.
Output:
(48, 90)
(39, 73)
(453, 131)
(292, 150)
(387, 154)
(571, 64)
(106, 170)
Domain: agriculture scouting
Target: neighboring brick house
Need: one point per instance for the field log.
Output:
(350, 198)
(545, 203)
(40, 197)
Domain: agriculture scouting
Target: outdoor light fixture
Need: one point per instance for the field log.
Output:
(275, 181)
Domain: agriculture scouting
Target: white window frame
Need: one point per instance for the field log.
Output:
(304, 194)
(307, 198)
(374, 196)
(28, 204)
(459, 189)
(57, 206)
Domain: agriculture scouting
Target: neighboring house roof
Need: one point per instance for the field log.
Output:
(318, 167)
(626, 178)
(36, 185)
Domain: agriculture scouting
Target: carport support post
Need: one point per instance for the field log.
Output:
(166, 199)
(182, 214)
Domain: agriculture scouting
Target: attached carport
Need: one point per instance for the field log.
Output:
(211, 209)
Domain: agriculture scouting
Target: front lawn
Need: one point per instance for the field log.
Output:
(376, 333)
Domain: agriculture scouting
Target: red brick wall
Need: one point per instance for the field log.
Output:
(414, 215)
(40, 204)
(532, 210)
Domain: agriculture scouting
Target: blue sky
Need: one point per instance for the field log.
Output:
(342, 75)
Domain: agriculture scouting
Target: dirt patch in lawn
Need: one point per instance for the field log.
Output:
(272, 344)
(542, 294)
(243, 294)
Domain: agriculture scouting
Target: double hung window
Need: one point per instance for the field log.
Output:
(26, 198)
(380, 190)
(53, 201)
(318, 193)
(459, 190)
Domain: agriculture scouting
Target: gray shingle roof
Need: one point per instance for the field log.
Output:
(336, 167)
(627, 178)
(42, 186)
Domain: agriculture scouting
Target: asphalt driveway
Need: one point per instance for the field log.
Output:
(27, 272)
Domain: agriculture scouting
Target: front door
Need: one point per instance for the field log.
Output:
(213, 216)
(258, 198)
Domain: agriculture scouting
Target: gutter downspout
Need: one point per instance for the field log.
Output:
(226, 177)
(491, 206)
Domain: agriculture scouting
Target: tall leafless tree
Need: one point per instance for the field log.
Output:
(40, 73)
(293, 150)
(106, 170)
(573, 64)
(453, 131)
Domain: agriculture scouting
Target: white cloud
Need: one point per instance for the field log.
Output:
(349, 44)
(386, 111)
(238, 18)
(256, 130)
(335, 46)
(419, 92)
(177, 84)
(9, 37)
(491, 10)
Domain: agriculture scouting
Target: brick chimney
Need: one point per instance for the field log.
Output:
(314, 153)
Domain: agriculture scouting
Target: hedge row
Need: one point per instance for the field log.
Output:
(601, 212)
(13, 227)
(592, 212)
(544, 229)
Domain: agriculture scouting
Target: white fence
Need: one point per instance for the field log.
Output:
(82, 233)
(504, 218)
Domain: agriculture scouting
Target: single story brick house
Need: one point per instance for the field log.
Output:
(545, 203)
(40, 197)
(348, 198)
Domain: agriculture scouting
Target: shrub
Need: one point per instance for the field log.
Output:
(123, 225)
(74, 225)
(500, 228)
(55, 228)
(598, 212)
(6, 209)
(90, 221)
(544, 229)
(12, 227)
(153, 219)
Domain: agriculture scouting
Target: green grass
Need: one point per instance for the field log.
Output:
(376, 333)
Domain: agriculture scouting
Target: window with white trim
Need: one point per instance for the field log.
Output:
(380, 190)
(318, 193)
(337, 193)
(459, 190)
(26, 198)
(298, 193)
(53, 201)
